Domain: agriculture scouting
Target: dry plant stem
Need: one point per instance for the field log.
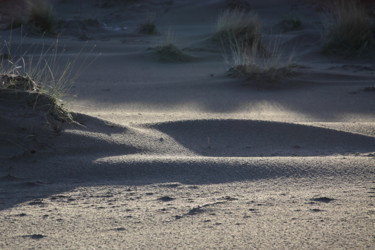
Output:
(46, 68)
(239, 25)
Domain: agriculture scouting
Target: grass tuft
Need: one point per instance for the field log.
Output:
(348, 28)
(148, 28)
(43, 22)
(24, 88)
(42, 79)
(257, 69)
(171, 53)
(168, 52)
(238, 25)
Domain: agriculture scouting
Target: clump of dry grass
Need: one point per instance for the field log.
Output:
(171, 53)
(55, 76)
(23, 88)
(39, 80)
(239, 25)
(264, 71)
(348, 28)
(248, 57)
(168, 52)
(14, 13)
(43, 21)
(41, 76)
(36, 15)
(148, 28)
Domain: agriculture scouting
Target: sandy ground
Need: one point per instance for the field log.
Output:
(182, 156)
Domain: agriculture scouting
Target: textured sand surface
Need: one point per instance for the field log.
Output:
(182, 156)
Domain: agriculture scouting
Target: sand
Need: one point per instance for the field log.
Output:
(179, 155)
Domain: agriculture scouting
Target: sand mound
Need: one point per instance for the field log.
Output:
(195, 151)
(29, 117)
(227, 138)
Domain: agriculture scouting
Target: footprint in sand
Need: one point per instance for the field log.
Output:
(166, 198)
(34, 236)
(322, 199)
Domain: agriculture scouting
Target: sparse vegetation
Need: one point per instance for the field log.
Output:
(239, 25)
(148, 28)
(168, 52)
(24, 88)
(246, 53)
(171, 53)
(40, 80)
(55, 77)
(259, 70)
(348, 28)
(43, 21)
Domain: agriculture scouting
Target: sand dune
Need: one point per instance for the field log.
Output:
(230, 138)
(181, 155)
